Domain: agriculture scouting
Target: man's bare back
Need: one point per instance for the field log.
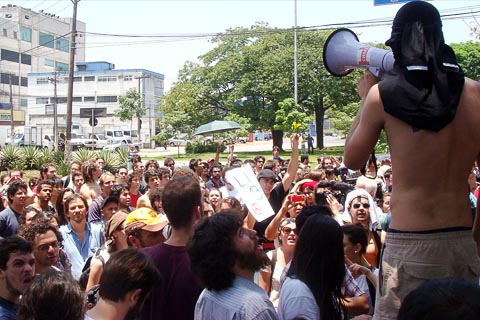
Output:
(90, 191)
(430, 168)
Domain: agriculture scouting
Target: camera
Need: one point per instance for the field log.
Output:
(297, 198)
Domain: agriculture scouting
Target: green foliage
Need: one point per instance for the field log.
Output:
(83, 155)
(199, 147)
(289, 117)
(174, 121)
(11, 157)
(30, 156)
(113, 160)
(250, 72)
(468, 57)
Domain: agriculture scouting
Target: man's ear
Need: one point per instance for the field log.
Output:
(133, 296)
(133, 241)
(198, 212)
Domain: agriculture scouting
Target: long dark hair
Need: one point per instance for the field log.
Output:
(319, 262)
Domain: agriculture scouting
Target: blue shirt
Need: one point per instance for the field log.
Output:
(7, 310)
(77, 252)
(244, 300)
(8, 223)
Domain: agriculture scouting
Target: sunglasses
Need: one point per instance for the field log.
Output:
(288, 230)
(357, 205)
(46, 246)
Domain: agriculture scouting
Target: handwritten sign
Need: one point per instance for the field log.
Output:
(244, 181)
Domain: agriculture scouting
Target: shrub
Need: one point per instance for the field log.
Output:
(30, 156)
(11, 157)
(198, 147)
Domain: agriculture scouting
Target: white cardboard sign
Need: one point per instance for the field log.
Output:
(244, 181)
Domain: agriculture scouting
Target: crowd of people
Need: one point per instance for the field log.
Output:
(154, 240)
(205, 254)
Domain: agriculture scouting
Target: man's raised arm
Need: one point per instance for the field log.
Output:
(367, 125)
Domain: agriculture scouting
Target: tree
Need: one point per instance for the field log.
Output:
(250, 72)
(468, 57)
(130, 106)
(290, 118)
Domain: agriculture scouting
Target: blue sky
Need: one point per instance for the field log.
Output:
(197, 17)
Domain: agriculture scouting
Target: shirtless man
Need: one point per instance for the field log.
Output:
(91, 173)
(430, 234)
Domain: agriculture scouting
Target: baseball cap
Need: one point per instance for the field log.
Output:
(115, 221)
(145, 219)
(266, 173)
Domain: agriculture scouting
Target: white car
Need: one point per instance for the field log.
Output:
(181, 141)
(97, 141)
(117, 143)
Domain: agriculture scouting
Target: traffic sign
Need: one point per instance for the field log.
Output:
(97, 112)
(382, 2)
(95, 122)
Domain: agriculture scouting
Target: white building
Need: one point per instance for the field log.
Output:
(32, 42)
(96, 85)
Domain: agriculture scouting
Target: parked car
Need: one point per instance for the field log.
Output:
(211, 139)
(241, 139)
(180, 141)
(118, 143)
(97, 141)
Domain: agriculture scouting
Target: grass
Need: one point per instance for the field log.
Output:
(330, 151)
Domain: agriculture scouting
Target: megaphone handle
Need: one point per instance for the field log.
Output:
(375, 71)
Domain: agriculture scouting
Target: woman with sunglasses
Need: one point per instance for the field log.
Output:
(270, 277)
(355, 243)
(360, 208)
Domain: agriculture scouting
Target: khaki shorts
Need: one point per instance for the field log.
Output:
(409, 259)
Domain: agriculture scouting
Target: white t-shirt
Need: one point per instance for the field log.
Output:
(297, 301)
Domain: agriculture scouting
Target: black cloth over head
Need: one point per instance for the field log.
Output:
(426, 83)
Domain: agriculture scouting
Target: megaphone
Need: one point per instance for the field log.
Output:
(343, 52)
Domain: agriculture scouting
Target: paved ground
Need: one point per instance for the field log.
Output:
(239, 147)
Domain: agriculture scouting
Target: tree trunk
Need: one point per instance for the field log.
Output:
(277, 138)
(319, 113)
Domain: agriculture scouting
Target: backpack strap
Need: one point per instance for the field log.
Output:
(273, 262)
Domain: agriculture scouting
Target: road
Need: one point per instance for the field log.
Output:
(239, 147)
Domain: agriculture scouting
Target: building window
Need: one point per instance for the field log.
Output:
(24, 81)
(77, 79)
(5, 33)
(15, 35)
(10, 55)
(89, 78)
(49, 62)
(102, 99)
(42, 100)
(128, 78)
(60, 66)
(76, 99)
(61, 100)
(23, 102)
(106, 79)
(88, 99)
(26, 34)
(46, 40)
(42, 80)
(61, 44)
(26, 59)
(5, 78)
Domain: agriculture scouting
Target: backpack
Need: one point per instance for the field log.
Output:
(83, 280)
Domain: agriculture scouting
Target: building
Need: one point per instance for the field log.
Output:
(97, 86)
(31, 42)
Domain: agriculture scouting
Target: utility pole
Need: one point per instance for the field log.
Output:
(295, 57)
(141, 101)
(55, 120)
(10, 75)
(71, 67)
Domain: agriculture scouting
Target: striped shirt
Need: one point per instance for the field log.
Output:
(244, 300)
